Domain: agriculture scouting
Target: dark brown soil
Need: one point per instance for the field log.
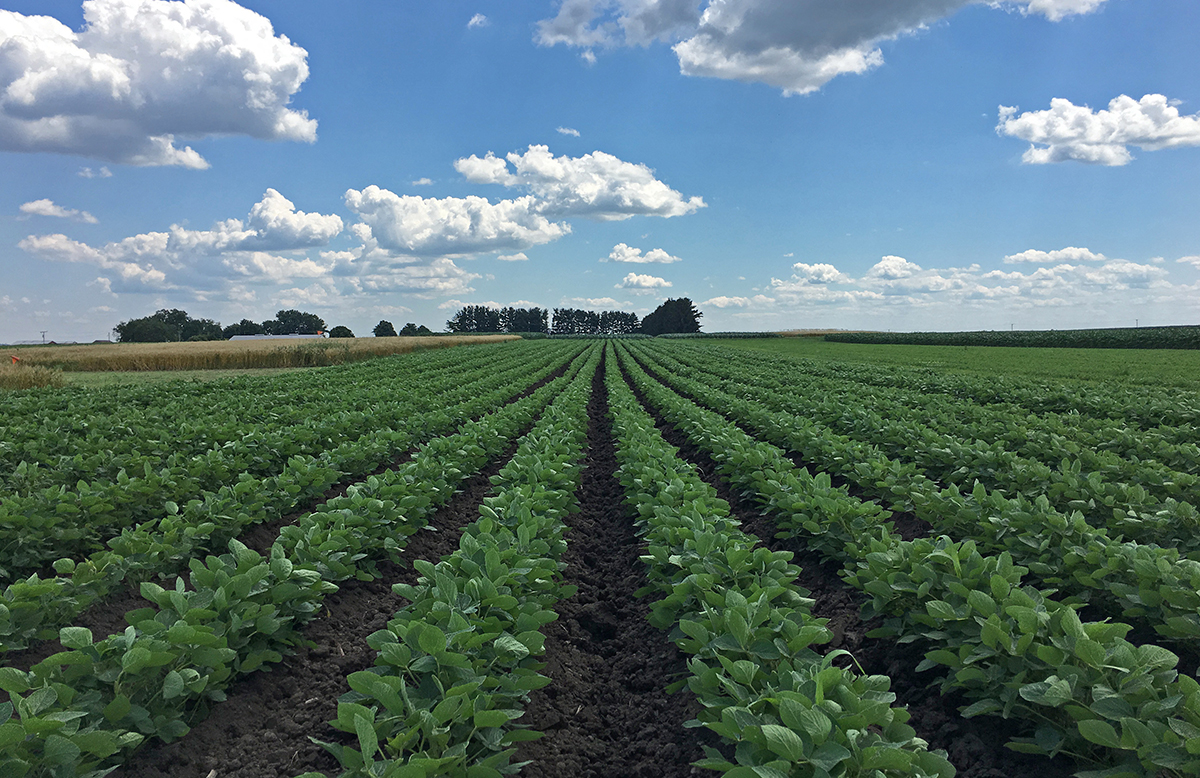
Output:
(976, 747)
(607, 712)
(263, 729)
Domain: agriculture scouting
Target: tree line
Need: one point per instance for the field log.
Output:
(172, 324)
(674, 315)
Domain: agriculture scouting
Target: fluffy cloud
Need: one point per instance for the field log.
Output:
(795, 45)
(423, 182)
(478, 20)
(243, 248)
(142, 72)
(642, 284)
(50, 208)
(596, 185)
(1075, 132)
(518, 257)
(568, 131)
(819, 274)
(127, 259)
(429, 227)
(438, 278)
(1069, 254)
(891, 268)
(1194, 261)
(87, 172)
(623, 253)
(757, 301)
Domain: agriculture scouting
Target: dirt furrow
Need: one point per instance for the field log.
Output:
(607, 713)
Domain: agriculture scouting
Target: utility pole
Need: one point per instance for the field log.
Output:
(44, 335)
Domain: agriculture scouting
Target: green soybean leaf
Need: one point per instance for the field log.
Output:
(1100, 732)
(784, 742)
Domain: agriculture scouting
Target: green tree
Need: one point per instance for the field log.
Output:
(409, 330)
(243, 327)
(341, 332)
(293, 322)
(167, 324)
(672, 316)
(384, 329)
(475, 318)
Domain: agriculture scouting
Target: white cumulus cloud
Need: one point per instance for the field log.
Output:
(757, 301)
(1069, 132)
(624, 253)
(892, 267)
(478, 20)
(142, 72)
(453, 226)
(596, 185)
(568, 131)
(46, 207)
(1069, 254)
(518, 257)
(795, 45)
(642, 284)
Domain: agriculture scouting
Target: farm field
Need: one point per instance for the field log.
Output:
(1147, 367)
(230, 354)
(601, 558)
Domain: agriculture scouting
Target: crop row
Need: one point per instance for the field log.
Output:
(35, 608)
(455, 666)
(932, 432)
(1105, 445)
(78, 710)
(1148, 584)
(57, 438)
(1169, 414)
(735, 607)
(41, 525)
(1081, 687)
(1113, 337)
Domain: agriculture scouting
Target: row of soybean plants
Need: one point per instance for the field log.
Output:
(1014, 649)
(70, 502)
(82, 710)
(734, 606)
(36, 607)
(1150, 585)
(1020, 452)
(455, 666)
(1135, 500)
(1169, 414)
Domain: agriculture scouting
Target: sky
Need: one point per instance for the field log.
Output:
(785, 164)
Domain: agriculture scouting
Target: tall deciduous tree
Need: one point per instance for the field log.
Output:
(384, 329)
(672, 316)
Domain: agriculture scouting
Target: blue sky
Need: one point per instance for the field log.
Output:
(882, 164)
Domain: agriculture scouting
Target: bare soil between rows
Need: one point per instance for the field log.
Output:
(606, 712)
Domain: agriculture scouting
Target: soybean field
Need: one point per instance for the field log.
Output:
(600, 558)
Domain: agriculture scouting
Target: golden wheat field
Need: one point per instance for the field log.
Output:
(226, 354)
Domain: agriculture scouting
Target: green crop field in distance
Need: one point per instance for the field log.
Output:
(1150, 367)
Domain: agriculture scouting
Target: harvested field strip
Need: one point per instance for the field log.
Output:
(227, 354)
(607, 712)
